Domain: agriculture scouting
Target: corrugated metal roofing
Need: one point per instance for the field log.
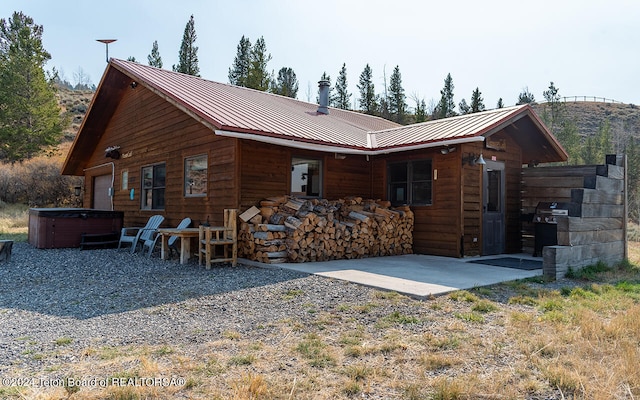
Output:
(230, 108)
(250, 114)
(239, 109)
(460, 127)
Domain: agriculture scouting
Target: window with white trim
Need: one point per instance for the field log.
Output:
(306, 177)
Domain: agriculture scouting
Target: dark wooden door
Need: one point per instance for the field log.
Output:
(493, 220)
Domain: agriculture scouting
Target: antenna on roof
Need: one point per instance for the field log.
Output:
(106, 43)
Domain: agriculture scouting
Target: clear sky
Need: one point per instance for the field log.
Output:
(586, 47)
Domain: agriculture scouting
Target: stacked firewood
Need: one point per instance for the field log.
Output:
(289, 229)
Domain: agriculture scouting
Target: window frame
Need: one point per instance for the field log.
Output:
(155, 188)
(186, 178)
(320, 177)
(409, 182)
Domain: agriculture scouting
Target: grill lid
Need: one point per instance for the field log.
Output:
(546, 212)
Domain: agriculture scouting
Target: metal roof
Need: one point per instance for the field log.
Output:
(244, 113)
(455, 128)
(238, 109)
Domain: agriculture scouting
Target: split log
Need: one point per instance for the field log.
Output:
(250, 213)
(270, 228)
(292, 222)
(319, 229)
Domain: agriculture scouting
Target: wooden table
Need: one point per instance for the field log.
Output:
(185, 236)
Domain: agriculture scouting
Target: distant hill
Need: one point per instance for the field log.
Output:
(624, 119)
(75, 103)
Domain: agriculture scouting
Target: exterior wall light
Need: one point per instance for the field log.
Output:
(473, 160)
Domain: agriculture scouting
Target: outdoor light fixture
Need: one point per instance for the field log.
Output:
(134, 85)
(447, 150)
(472, 160)
(77, 190)
(112, 152)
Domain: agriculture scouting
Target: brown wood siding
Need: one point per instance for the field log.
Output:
(471, 202)
(149, 130)
(241, 173)
(472, 195)
(513, 168)
(348, 177)
(437, 226)
(266, 172)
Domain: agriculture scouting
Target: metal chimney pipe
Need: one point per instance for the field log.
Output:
(323, 107)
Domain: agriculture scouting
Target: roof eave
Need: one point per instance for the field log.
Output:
(336, 148)
(72, 163)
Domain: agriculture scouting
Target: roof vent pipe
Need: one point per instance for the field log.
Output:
(323, 107)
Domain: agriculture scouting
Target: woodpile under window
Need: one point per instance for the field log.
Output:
(289, 229)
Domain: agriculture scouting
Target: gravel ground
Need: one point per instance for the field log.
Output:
(100, 299)
(112, 298)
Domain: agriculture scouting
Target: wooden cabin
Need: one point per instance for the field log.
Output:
(160, 142)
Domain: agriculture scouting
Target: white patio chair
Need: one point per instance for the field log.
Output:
(151, 242)
(134, 235)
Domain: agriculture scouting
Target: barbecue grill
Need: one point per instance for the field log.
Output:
(546, 222)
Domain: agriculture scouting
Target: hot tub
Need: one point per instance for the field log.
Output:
(51, 228)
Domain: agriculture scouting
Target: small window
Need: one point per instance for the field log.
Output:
(306, 177)
(195, 176)
(125, 179)
(153, 185)
(410, 182)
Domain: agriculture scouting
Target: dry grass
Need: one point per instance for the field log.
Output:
(562, 342)
(14, 221)
(576, 341)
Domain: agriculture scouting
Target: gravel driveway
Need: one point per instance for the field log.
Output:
(109, 297)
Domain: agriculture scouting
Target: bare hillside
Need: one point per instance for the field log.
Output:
(624, 119)
(75, 103)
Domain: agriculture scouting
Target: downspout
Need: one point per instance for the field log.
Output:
(113, 177)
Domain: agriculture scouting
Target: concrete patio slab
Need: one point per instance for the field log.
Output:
(415, 275)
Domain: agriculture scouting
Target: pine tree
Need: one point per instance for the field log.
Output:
(286, 84)
(526, 97)
(367, 98)
(154, 58)
(397, 99)
(342, 99)
(552, 97)
(258, 77)
(30, 118)
(421, 111)
(477, 102)
(596, 147)
(568, 136)
(188, 55)
(239, 71)
(500, 104)
(446, 106)
(464, 107)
